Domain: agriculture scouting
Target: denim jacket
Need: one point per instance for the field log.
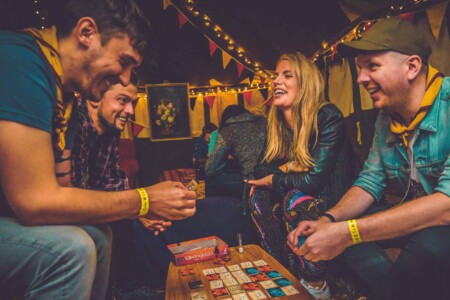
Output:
(388, 166)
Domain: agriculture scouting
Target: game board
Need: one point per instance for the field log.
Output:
(236, 277)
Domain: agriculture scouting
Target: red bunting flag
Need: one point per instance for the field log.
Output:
(240, 68)
(181, 20)
(210, 100)
(247, 96)
(137, 128)
(212, 48)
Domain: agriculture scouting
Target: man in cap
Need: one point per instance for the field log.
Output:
(409, 156)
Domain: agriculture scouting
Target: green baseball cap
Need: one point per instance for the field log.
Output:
(394, 34)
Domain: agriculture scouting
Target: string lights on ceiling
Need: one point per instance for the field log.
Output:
(40, 14)
(212, 91)
(358, 27)
(216, 34)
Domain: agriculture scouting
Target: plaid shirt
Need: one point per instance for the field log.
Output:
(95, 157)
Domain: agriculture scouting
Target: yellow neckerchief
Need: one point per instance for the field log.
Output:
(48, 43)
(434, 82)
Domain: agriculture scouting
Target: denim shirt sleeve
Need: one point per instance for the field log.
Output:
(444, 180)
(373, 177)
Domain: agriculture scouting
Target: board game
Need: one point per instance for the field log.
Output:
(249, 280)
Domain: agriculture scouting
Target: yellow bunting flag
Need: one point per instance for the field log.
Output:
(166, 4)
(226, 59)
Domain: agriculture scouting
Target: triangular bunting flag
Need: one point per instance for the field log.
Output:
(214, 82)
(245, 81)
(166, 4)
(210, 100)
(181, 20)
(225, 58)
(264, 93)
(247, 96)
(137, 129)
(240, 68)
(251, 76)
(212, 48)
(435, 16)
(192, 102)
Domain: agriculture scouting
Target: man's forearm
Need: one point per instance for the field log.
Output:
(429, 211)
(353, 204)
(103, 207)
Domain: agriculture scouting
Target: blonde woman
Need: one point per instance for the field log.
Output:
(298, 172)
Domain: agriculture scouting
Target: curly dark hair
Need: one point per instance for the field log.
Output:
(112, 17)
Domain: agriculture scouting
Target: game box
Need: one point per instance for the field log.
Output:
(194, 251)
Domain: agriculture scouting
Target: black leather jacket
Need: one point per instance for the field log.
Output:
(331, 155)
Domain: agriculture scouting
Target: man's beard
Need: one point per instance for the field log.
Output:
(107, 127)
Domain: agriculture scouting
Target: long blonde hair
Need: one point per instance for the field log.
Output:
(305, 109)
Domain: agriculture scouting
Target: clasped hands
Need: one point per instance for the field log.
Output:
(325, 240)
(168, 201)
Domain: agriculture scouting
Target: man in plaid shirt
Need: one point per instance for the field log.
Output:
(94, 158)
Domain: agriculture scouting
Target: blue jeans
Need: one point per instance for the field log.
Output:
(422, 271)
(54, 262)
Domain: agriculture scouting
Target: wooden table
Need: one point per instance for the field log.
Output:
(177, 285)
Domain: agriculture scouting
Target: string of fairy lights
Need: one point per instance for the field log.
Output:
(40, 14)
(359, 27)
(217, 35)
(213, 91)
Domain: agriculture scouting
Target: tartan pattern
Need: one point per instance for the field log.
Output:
(95, 157)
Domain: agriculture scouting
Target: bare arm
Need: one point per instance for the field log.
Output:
(354, 203)
(326, 241)
(27, 176)
(428, 211)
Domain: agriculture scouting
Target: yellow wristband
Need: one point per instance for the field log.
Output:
(144, 201)
(354, 232)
